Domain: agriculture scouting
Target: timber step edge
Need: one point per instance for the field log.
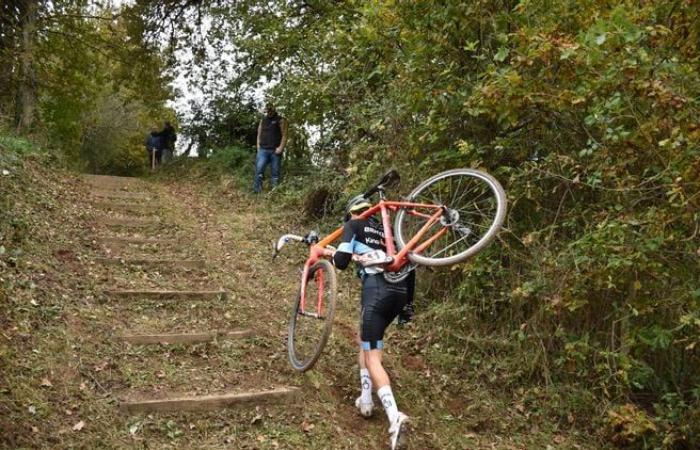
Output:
(164, 294)
(124, 206)
(127, 240)
(187, 263)
(207, 402)
(184, 338)
(127, 222)
(121, 195)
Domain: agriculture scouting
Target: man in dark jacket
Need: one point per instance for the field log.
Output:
(169, 137)
(272, 136)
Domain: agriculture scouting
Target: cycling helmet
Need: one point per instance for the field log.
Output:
(355, 205)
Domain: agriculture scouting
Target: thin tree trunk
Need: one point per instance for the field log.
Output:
(26, 100)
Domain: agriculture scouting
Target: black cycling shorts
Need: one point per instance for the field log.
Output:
(381, 303)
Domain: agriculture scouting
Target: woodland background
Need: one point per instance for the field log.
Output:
(587, 112)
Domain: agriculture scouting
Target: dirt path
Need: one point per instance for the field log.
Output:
(170, 268)
(159, 262)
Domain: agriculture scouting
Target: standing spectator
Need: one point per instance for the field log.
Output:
(272, 136)
(169, 137)
(154, 147)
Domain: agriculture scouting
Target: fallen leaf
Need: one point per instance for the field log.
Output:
(35, 430)
(306, 427)
(46, 383)
(79, 426)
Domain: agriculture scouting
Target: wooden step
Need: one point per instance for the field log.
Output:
(190, 338)
(120, 195)
(190, 263)
(122, 206)
(135, 241)
(128, 222)
(208, 402)
(165, 294)
(95, 177)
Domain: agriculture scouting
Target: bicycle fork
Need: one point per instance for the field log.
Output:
(319, 278)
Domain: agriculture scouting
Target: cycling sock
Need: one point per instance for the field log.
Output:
(389, 403)
(366, 384)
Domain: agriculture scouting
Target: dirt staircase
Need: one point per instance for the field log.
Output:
(129, 230)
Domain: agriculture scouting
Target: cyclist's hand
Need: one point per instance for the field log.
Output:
(328, 252)
(279, 150)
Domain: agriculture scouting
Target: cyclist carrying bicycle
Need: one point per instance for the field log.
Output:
(382, 302)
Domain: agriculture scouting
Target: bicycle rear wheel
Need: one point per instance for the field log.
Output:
(475, 209)
(309, 329)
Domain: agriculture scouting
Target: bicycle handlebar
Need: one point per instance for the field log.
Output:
(310, 239)
(284, 240)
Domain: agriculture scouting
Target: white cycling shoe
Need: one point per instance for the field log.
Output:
(366, 409)
(398, 431)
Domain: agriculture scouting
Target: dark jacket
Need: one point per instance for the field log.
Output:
(154, 141)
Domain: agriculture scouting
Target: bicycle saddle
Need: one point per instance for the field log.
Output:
(389, 180)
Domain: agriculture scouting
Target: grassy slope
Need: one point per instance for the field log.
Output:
(60, 367)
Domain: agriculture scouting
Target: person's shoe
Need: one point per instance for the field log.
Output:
(366, 409)
(398, 431)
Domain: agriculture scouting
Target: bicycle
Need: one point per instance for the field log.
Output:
(436, 225)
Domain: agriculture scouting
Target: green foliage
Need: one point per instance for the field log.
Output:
(92, 68)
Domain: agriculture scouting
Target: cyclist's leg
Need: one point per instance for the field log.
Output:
(262, 159)
(381, 303)
(364, 402)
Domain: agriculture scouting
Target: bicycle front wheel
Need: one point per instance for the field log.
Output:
(475, 207)
(309, 329)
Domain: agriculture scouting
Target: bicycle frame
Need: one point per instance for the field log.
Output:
(316, 251)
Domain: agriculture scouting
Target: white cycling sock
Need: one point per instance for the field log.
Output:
(389, 403)
(366, 385)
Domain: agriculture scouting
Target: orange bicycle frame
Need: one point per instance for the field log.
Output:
(316, 251)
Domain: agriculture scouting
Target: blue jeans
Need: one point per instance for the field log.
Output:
(264, 157)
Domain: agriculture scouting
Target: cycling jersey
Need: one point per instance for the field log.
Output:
(360, 237)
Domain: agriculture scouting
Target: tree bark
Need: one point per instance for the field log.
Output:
(26, 100)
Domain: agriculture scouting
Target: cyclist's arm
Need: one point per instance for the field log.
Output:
(343, 255)
(257, 142)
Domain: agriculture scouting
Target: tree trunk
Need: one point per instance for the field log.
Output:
(26, 100)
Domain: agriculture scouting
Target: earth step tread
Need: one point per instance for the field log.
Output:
(191, 263)
(183, 338)
(161, 293)
(207, 402)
